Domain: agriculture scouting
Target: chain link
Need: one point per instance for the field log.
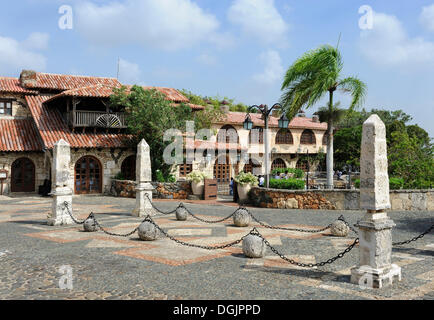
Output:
(149, 219)
(310, 265)
(415, 238)
(158, 210)
(207, 221)
(73, 218)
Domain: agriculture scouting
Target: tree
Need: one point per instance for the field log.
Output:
(312, 76)
(149, 115)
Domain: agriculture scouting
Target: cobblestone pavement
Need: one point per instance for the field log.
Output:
(109, 267)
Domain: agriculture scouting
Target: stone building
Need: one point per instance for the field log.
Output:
(303, 136)
(38, 109)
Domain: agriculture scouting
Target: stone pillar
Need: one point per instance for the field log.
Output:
(375, 228)
(143, 179)
(60, 191)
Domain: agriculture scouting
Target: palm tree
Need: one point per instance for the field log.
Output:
(309, 78)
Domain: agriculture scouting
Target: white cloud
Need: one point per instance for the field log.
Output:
(273, 70)
(387, 43)
(15, 55)
(207, 59)
(162, 24)
(37, 41)
(259, 19)
(427, 17)
(129, 73)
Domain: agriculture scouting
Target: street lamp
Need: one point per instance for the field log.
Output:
(248, 125)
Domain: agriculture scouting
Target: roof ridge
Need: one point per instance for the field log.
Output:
(73, 75)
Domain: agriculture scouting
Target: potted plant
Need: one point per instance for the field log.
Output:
(245, 181)
(197, 182)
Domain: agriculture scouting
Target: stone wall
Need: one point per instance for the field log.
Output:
(162, 190)
(39, 159)
(414, 200)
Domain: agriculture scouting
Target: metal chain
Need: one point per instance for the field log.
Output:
(347, 224)
(207, 221)
(310, 265)
(283, 228)
(73, 218)
(149, 219)
(158, 210)
(415, 238)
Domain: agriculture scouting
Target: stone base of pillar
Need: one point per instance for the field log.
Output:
(375, 252)
(143, 206)
(59, 214)
(367, 276)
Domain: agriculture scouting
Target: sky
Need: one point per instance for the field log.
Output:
(238, 49)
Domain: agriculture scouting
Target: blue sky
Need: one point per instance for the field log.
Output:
(235, 48)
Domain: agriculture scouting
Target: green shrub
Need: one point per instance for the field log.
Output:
(160, 177)
(396, 183)
(197, 176)
(357, 183)
(291, 184)
(298, 173)
(244, 178)
(119, 176)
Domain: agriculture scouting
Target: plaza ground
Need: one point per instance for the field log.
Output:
(109, 267)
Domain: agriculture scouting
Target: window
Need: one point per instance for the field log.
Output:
(257, 133)
(5, 107)
(307, 137)
(324, 139)
(228, 134)
(278, 163)
(185, 169)
(284, 136)
(302, 164)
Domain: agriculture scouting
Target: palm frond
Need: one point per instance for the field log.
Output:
(356, 88)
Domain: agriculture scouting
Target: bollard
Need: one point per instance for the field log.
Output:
(89, 225)
(241, 218)
(254, 246)
(339, 229)
(181, 214)
(147, 231)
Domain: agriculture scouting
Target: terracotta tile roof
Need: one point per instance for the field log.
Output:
(67, 82)
(12, 85)
(203, 144)
(172, 94)
(297, 122)
(52, 128)
(97, 91)
(19, 135)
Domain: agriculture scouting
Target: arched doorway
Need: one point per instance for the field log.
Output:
(302, 164)
(222, 171)
(88, 175)
(128, 168)
(278, 164)
(23, 175)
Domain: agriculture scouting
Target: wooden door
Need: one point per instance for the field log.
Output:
(222, 171)
(23, 175)
(88, 176)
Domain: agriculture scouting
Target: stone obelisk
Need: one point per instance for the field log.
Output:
(375, 228)
(143, 179)
(61, 191)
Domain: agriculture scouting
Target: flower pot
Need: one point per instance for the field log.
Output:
(243, 191)
(197, 188)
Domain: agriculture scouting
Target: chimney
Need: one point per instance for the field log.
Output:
(315, 118)
(275, 113)
(224, 106)
(301, 114)
(28, 78)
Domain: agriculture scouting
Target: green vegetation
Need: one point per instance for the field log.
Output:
(119, 176)
(312, 76)
(409, 148)
(197, 176)
(244, 178)
(298, 173)
(214, 101)
(394, 183)
(291, 184)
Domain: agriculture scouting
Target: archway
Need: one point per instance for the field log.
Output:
(228, 134)
(278, 164)
(23, 175)
(128, 168)
(88, 175)
(284, 136)
(307, 137)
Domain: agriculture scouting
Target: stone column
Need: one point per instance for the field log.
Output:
(375, 228)
(143, 179)
(60, 191)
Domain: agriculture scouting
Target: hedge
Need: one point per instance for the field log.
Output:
(394, 183)
(291, 184)
(298, 173)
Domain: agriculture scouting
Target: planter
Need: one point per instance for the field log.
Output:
(243, 191)
(197, 188)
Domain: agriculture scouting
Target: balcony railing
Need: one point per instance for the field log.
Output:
(97, 119)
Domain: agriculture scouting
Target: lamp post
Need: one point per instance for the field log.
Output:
(248, 125)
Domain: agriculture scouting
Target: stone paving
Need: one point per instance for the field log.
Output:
(109, 267)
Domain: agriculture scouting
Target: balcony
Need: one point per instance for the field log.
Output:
(97, 119)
